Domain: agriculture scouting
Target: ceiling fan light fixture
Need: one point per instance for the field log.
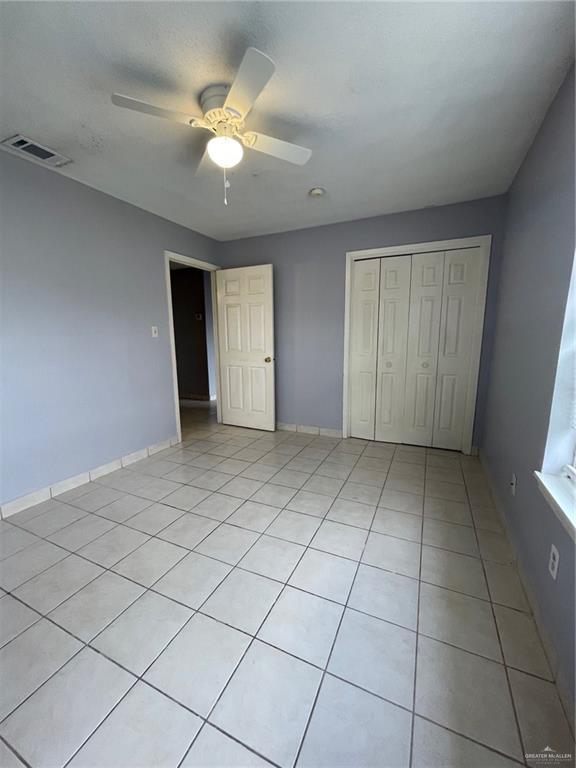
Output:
(224, 111)
(225, 151)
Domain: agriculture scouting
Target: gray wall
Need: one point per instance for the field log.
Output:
(536, 267)
(309, 280)
(83, 381)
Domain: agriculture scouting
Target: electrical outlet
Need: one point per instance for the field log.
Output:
(513, 485)
(554, 562)
(154, 329)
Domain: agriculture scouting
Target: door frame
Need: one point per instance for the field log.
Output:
(205, 266)
(484, 243)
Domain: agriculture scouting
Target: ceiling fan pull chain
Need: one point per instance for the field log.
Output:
(226, 187)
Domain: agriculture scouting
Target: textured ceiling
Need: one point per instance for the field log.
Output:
(404, 105)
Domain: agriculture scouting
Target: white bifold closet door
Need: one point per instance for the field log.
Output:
(422, 355)
(392, 348)
(364, 346)
(413, 321)
(458, 326)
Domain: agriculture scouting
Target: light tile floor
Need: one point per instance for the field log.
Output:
(248, 598)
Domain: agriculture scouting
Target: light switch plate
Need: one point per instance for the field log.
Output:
(154, 329)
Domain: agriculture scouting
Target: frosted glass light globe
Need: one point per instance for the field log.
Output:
(225, 152)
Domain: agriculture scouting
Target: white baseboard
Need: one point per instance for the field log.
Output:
(308, 430)
(549, 647)
(69, 484)
(132, 458)
(105, 469)
(325, 432)
(159, 447)
(23, 502)
(44, 494)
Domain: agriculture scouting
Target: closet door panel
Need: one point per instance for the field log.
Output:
(392, 347)
(460, 296)
(422, 353)
(364, 347)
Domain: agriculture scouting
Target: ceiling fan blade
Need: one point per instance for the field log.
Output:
(283, 150)
(205, 166)
(149, 109)
(193, 155)
(254, 73)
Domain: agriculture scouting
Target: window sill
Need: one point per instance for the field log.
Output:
(560, 493)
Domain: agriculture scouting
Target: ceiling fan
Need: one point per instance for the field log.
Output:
(224, 110)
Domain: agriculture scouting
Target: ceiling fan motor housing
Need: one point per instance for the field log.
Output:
(213, 97)
(212, 100)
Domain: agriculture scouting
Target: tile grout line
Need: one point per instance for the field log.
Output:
(233, 566)
(261, 533)
(110, 569)
(87, 644)
(232, 626)
(43, 683)
(125, 524)
(243, 656)
(128, 554)
(237, 565)
(187, 622)
(254, 638)
(333, 644)
(139, 678)
(498, 635)
(417, 649)
(14, 751)
(472, 740)
(359, 562)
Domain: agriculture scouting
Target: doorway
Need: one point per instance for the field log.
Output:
(240, 359)
(193, 339)
(193, 333)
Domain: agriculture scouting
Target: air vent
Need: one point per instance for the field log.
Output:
(27, 148)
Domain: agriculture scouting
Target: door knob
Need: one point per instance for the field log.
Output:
(267, 359)
(388, 365)
(425, 365)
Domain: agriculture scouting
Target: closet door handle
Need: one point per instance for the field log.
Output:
(425, 365)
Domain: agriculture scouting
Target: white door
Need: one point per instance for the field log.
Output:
(457, 326)
(392, 347)
(246, 346)
(364, 347)
(422, 354)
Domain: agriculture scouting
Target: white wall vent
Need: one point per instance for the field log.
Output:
(33, 151)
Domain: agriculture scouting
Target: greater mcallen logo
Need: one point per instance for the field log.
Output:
(548, 756)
